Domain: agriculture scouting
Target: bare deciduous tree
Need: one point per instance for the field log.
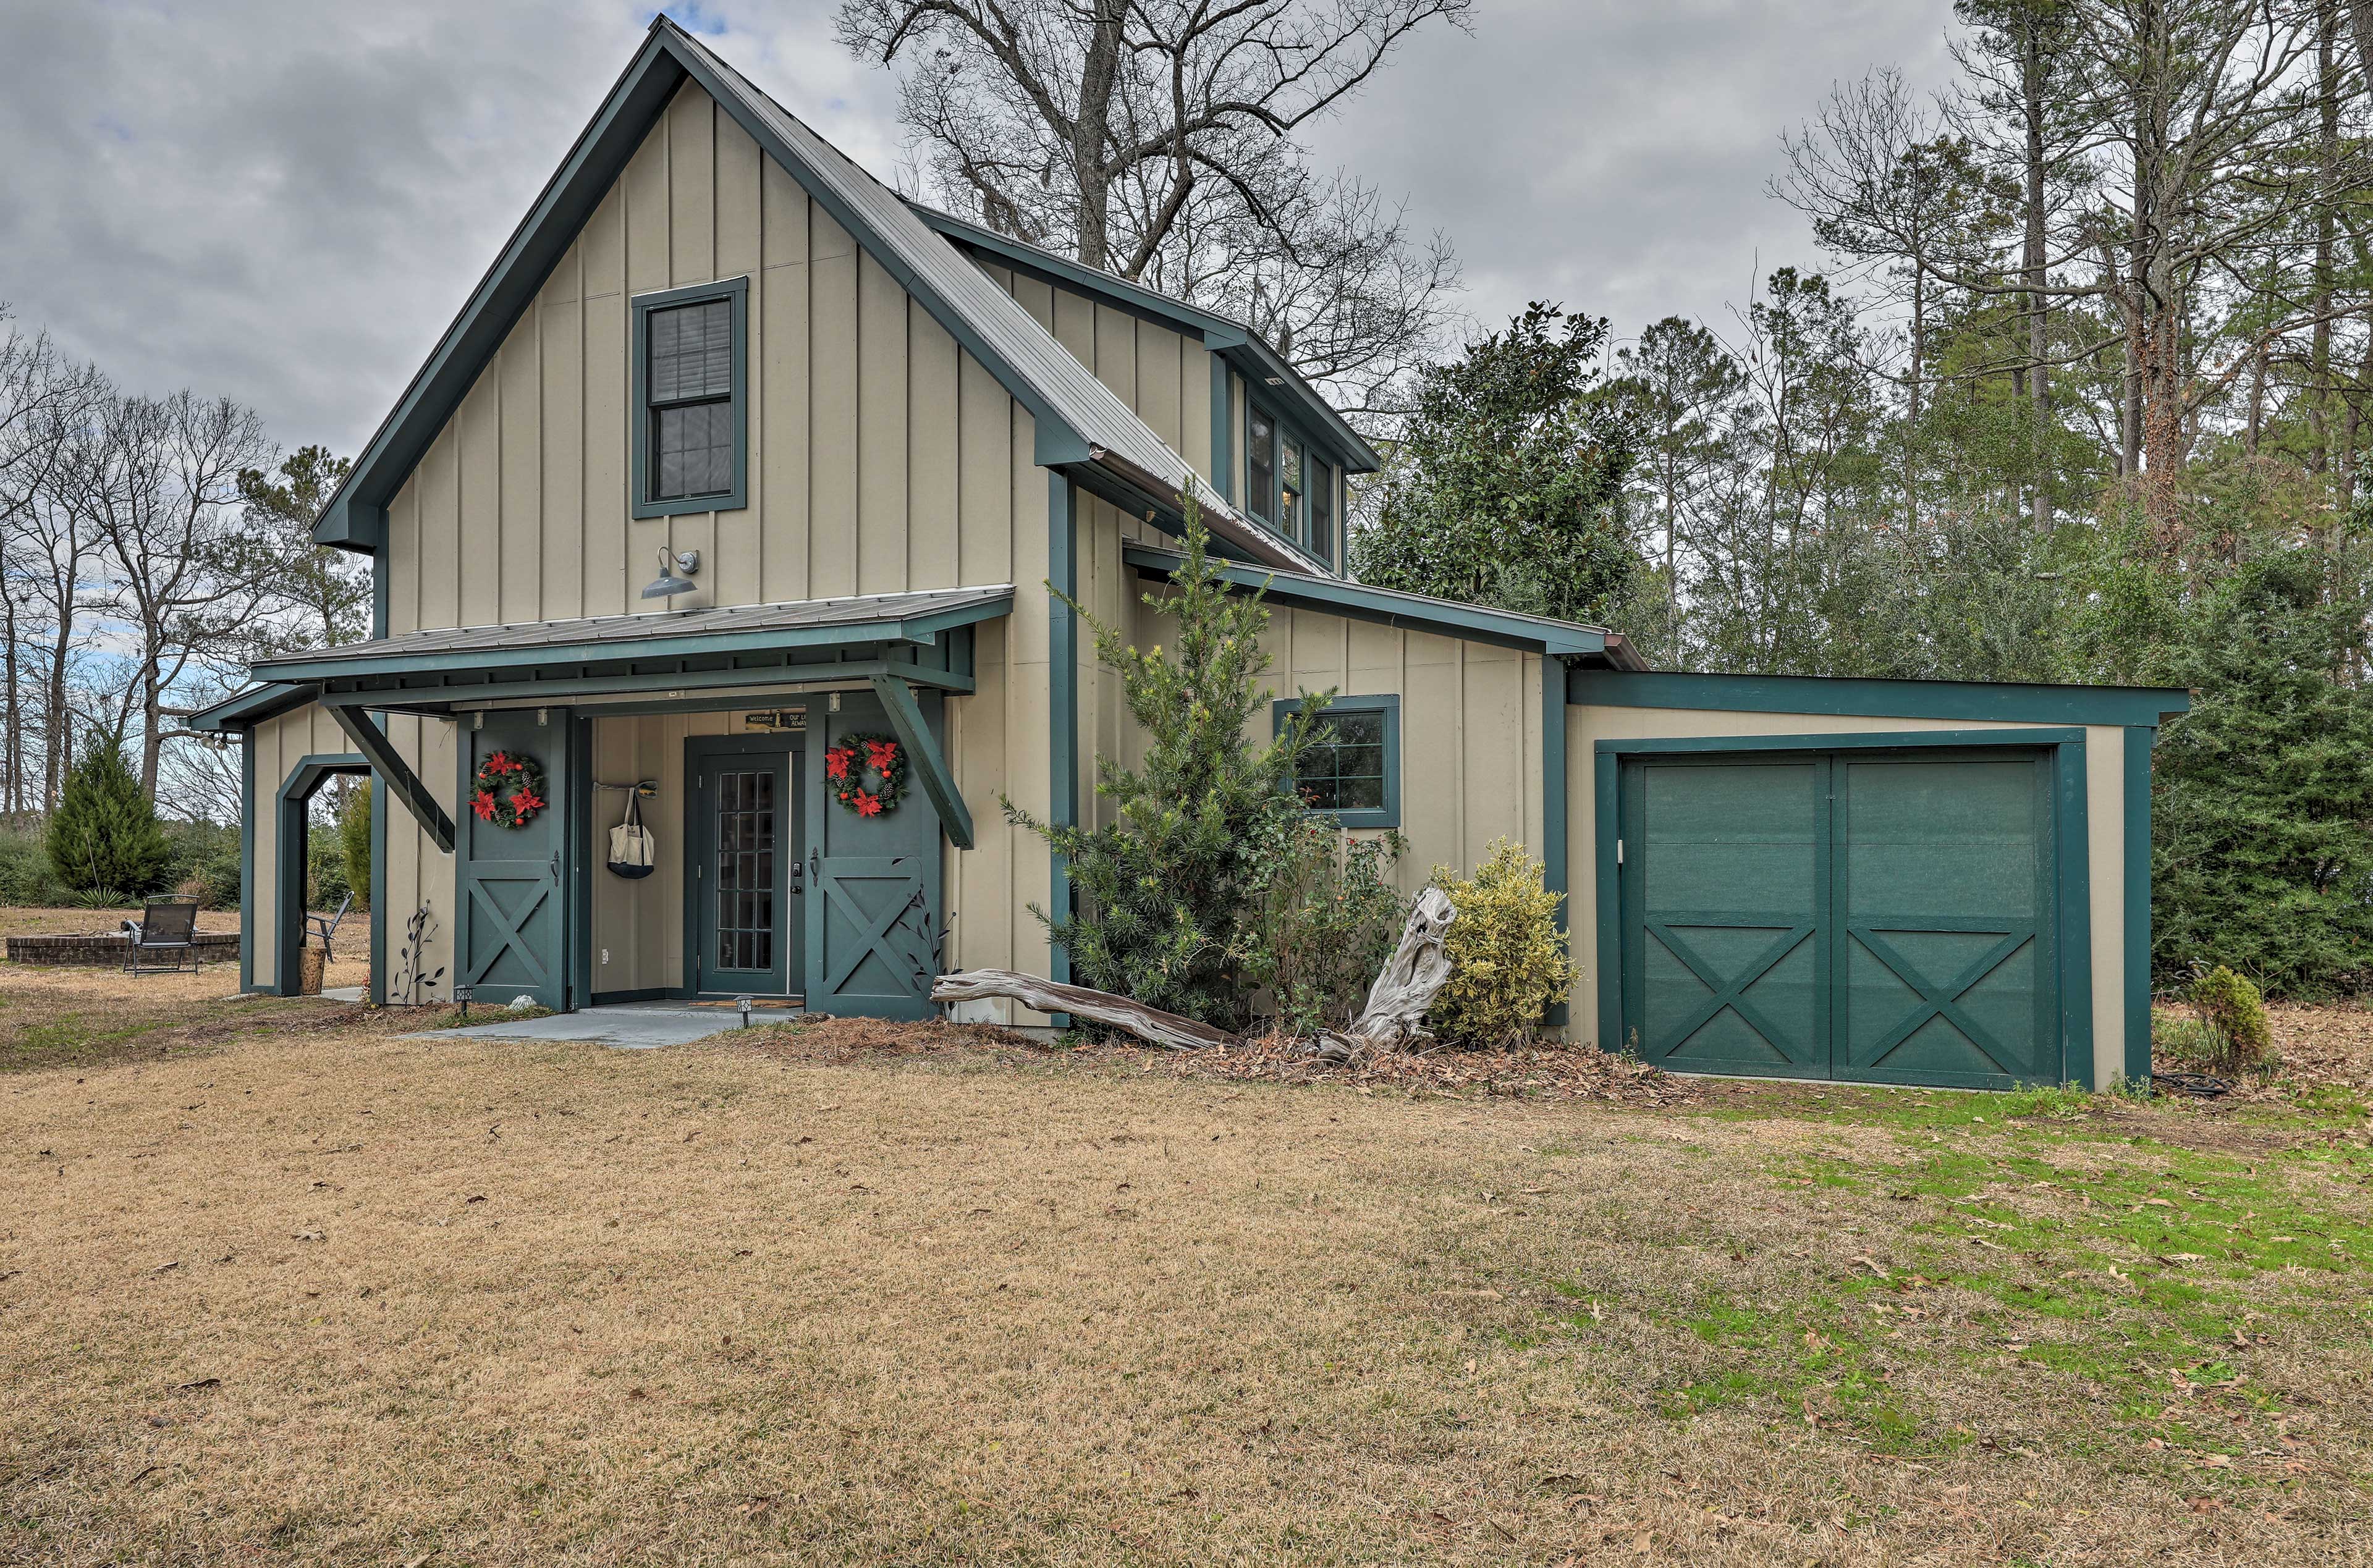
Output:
(187, 575)
(1156, 139)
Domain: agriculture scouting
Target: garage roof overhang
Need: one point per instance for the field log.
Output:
(1590, 647)
(1977, 702)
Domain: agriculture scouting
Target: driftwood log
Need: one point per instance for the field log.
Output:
(1394, 1017)
(1149, 1024)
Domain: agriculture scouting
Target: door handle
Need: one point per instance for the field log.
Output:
(798, 879)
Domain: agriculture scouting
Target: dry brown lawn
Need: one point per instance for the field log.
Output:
(284, 1287)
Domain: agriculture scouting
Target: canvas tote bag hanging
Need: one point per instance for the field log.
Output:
(632, 851)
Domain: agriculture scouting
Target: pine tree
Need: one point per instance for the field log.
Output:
(1163, 886)
(354, 839)
(104, 832)
(2262, 841)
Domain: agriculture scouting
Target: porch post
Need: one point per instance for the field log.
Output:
(1063, 680)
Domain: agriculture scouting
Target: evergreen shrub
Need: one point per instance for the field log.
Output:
(1508, 963)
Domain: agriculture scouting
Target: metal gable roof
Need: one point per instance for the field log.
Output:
(1082, 426)
(1223, 333)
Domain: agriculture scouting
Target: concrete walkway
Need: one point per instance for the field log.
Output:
(632, 1026)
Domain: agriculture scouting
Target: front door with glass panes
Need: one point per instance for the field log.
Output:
(746, 888)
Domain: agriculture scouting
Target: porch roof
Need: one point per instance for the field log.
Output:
(915, 620)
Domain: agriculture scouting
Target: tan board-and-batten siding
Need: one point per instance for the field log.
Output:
(883, 457)
(280, 743)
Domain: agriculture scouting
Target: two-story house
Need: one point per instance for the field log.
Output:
(734, 455)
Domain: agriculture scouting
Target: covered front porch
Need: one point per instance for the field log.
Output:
(716, 727)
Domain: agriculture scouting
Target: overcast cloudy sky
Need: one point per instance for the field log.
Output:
(286, 200)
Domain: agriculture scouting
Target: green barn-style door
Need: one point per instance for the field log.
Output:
(874, 922)
(510, 921)
(1873, 916)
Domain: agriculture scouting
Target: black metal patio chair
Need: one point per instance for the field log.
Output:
(164, 939)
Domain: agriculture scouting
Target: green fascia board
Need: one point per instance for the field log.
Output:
(1224, 335)
(1982, 702)
(683, 689)
(920, 631)
(356, 516)
(914, 733)
(1893, 740)
(252, 706)
(736, 496)
(1356, 602)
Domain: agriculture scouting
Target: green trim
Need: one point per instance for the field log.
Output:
(373, 743)
(1890, 740)
(1980, 700)
(1554, 806)
(1222, 334)
(581, 854)
(1389, 815)
(1355, 601)
(930, 763)
(379, 899)
(2138, 902)
(250, 706)
(442, 698)
(920, 631)
(1607, 832)
(2072, 845)
(640, 503)
(2072, 842)
(247, 860)
(1063, 694)
(295, 840)
(1223, 430)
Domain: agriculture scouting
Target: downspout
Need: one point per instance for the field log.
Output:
(1063, 685)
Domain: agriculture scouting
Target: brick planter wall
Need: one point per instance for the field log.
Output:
(107, 948)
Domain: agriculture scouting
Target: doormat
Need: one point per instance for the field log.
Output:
(759, 1004)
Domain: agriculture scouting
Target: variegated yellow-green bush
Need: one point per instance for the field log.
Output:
(1508, 962)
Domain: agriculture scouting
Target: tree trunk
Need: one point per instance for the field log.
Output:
(1091, 130)
(1149, 1024)
(2327, 26)
(2033, 90)
(1411, 978)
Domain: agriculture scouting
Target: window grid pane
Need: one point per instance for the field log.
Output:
(688, 353)
(1345, 770)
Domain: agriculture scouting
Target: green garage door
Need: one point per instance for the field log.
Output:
(1884, 916)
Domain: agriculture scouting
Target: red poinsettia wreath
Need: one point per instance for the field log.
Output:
(509, 790)
(868, 773)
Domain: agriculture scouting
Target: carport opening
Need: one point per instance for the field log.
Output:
(311, 871)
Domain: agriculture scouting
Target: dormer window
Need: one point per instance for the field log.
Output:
(1260, 465)
(691, 373)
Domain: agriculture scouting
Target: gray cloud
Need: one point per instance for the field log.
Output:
(286, 200)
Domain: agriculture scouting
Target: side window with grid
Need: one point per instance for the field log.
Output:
(690, 375)
(1352, 769)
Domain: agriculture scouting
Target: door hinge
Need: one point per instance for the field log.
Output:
(1619, 851)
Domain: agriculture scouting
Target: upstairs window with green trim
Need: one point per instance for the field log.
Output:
(1352, 770)
(1289, 482)
(691, 389)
